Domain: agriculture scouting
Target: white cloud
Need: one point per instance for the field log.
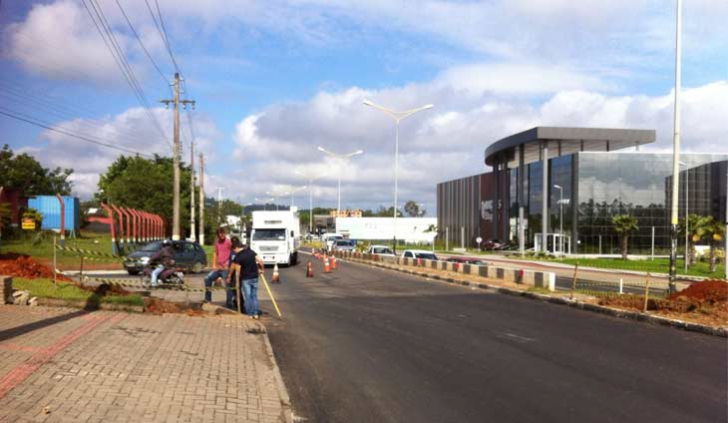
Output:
(132, 129)
(446, 142)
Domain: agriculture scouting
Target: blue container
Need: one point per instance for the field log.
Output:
(50, 208)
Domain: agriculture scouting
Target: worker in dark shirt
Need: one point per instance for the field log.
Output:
(250, 267)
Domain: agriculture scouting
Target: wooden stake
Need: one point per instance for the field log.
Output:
(647, 291)
(80, 274)
(55, 261)
(236, 269)
(573, 282)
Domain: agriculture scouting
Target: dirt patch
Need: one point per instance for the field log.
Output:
(22, 266)
(158, 306)
(703, 302)
(710, 292)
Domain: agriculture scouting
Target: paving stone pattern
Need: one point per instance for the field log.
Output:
(61, 365)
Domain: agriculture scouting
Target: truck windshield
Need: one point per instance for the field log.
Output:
(269, 235)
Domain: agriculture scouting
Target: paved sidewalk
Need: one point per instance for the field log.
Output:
(63, 365)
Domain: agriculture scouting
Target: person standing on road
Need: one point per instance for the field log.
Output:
(233, 284)
(221, 261)
(250, 267)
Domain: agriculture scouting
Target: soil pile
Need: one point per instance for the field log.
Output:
(26, 267)
(711, 292)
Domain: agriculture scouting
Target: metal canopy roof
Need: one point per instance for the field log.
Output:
(562, 141)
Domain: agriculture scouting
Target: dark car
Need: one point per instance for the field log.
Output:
(188, 255)
(468, 260)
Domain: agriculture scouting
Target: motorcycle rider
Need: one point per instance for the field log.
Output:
(164, 258)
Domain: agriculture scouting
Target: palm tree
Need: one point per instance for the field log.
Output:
(708, 227)
(692, 226)
(624, 224)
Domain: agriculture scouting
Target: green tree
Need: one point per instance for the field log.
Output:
(24, 172)
(712, 230)
(387, 212)
(624, 225)
(413, 209)
(146, 184)
(692, 226)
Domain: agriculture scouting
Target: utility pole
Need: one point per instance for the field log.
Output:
(176, 153)
(675, 155)
(219, 204)
(202, 200)
(193, 234)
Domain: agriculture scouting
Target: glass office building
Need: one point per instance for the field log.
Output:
(586, 184)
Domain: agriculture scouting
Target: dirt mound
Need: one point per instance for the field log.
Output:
(711, 292)
(155, 305)
(25, 267)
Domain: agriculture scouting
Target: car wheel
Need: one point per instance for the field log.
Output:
(198, 267)
(132, 272)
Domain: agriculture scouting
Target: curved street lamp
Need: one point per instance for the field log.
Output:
(310, 179)
(397, 116)
(342, 158)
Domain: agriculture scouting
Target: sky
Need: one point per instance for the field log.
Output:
(275, 79)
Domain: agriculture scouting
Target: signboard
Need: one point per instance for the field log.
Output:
(486, 210)
(28, 224)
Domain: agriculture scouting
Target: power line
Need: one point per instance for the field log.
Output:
(149, 56)
(113, 46)
(70, 134)
(166, 37)
(162, 33)
(39, 103)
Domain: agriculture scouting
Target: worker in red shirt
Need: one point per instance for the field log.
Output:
(220, 261)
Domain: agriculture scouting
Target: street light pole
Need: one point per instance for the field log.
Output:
(675, 154)
(687, 223)
(310, 179)
(341, 158)
(561, 217)
(397, 116)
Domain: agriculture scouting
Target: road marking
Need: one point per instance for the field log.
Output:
(518, 337)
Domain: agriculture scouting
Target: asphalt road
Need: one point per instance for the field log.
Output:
(369, 345)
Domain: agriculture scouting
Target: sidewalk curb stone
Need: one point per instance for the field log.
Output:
(280, 386)
(624, 314)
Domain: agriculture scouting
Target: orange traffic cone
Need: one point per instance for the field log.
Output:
(276, 278)
(327, 269)
(309, 270)
(333, 262)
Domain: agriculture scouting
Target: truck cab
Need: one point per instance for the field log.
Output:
(275, 236)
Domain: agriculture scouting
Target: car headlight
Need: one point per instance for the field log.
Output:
(144, 260)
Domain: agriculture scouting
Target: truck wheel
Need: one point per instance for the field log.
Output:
(295, 258)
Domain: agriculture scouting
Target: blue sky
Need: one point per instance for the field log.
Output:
(275, 79)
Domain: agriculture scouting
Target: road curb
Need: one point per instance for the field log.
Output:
(624, 314)
(280, 386)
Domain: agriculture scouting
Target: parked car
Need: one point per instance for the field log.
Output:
(492, 244)
(468, 260)
(381, 250)
(188, 255)
(344, 245)
(420, 254)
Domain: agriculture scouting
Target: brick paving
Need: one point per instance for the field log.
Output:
(62, 365)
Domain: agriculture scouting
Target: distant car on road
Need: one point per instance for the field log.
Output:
(381, 250)
(344, 245)
(419, 254)
(188, 255)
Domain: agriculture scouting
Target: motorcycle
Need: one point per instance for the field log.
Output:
(170, 275)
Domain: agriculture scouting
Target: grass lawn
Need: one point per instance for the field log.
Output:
(44, 249)
(658, 265)
(44, 288)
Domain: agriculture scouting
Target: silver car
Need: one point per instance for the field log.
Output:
(344, 245)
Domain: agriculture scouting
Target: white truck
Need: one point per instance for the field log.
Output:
(276, 236)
